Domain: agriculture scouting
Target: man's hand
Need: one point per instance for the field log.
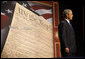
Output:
(67, 50)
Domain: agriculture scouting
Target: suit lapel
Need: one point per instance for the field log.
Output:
(69, 26)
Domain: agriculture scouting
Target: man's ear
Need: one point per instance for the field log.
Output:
(67, 15)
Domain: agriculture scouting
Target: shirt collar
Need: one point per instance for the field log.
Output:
(67, 20)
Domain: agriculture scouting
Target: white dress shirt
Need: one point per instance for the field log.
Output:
(67, 21)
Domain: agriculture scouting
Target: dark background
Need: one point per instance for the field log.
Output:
(78, 21)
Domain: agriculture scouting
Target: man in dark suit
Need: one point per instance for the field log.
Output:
(67, 35)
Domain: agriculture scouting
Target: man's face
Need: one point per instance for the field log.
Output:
(70, 15)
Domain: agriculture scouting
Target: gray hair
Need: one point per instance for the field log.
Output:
(66, 11)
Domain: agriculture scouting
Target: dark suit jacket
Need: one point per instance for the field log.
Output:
(67, 37)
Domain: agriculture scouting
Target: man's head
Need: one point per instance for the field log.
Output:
(67, 13)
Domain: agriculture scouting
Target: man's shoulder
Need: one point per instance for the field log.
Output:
(63, 22)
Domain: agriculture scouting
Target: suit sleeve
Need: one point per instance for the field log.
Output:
(63, 34)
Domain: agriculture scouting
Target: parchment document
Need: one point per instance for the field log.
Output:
(30, 36)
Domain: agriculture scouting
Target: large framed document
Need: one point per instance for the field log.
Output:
(31, 35)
